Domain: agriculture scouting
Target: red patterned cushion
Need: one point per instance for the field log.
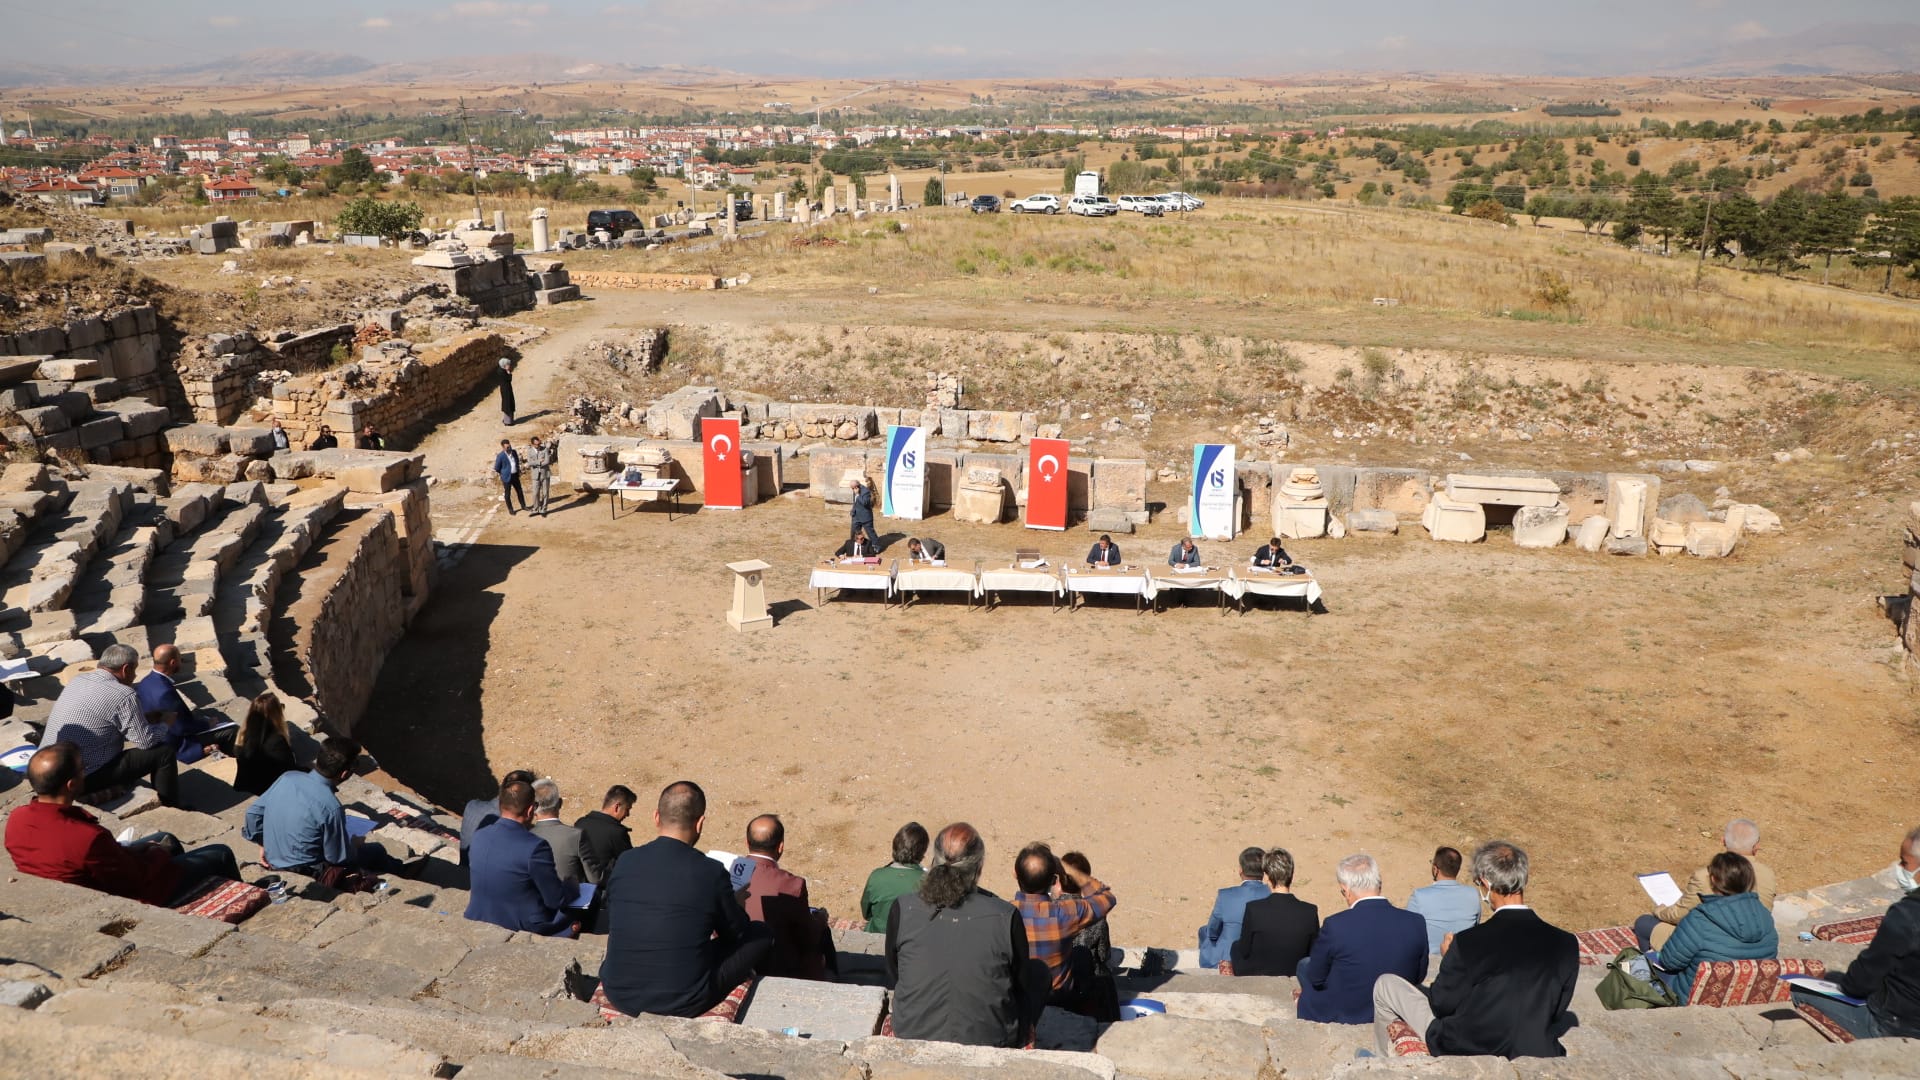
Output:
(1600, 946)
(1406, 1041)
(225, 901)
(1850, 932)
(1824, 1024)
(1723, 983)
(1226, 967)
(727, 1012)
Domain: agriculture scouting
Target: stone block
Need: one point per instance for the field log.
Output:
(1119, 484)
(827, 472)
(981, 503)
(132, 357)
(1540, 526)
(1178, 1048)
(1754, 520)
(1109, 521)
(63, 953)
(1626, 545)
(558, 295)
(75, 404)
(141, 418)
(1683, 509)
(1712, 539)
(1667, 536)
(1294, 520)
(18, 369)
(993, 426)
(1502, 490)
(1402, 492)
(100, 432)
(375, 472)
(100, 391)
(45, 419)
(69, 369)
(820, 1010)
(1592, 533)
(908, 1059)
(1457, 522)
(250, 441)
(203, 440)
(1631, 504)
(1375, 522)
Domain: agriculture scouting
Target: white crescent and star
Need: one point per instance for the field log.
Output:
(716, 444)
(1045, 473)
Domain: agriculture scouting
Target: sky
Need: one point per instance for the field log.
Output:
(968, 38)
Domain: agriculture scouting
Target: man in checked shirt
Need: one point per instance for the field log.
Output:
(1052, 918)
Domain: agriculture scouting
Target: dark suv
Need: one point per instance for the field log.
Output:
(742, 208)
(985, 204)
(616, 222)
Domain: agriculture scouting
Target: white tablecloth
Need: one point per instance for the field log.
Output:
(937, 579)
(1009, 579)
(1128, 584)
(1302, 586)
(1202, 582)
(875, 580)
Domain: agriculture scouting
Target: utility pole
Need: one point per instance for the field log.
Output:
(473, 174)
(1706, 238)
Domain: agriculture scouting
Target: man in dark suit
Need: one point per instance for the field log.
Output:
(1271, 555)
(677, 939)
(1104, 552)
(480, 813)
(1504, 985)
(928, 550)
(858, 546)
(1356, 946)
(604, 833)
(802, 944)
(513, 881)
(1280, 929)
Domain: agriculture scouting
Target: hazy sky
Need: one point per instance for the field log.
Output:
(959, 38)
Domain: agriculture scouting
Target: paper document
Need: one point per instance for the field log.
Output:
(1189, 569)
(359, 826)
(1032, 564)
(14, 670)
(1823, 987)
(1661, 888)
(584, 897)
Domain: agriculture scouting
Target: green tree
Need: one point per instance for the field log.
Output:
(1071, 171)
(935, 193)
(1833, 224)
(368, 216)
(1892, 238)
(1633, 159)
(644, 179)
(354, 167)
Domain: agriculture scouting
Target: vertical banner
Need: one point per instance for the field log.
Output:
(1047, 484)
(722, 460)
(1210, 513)
(906, 492)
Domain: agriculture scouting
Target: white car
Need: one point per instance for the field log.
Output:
(1092, 206)
(1180, 200)
(1141, 204)
(1036, 204)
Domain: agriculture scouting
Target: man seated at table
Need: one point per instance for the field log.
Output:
(1184, 554)
(1104, 552)
(1271, 556)
(858, 547)
(927, 551)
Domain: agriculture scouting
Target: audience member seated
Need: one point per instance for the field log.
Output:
(1279, 929)
(957, 954)
(1356, 946)
(1102, 1002)
(302, 828)
(1742, 837)
(1729, 924)
(514, 885)
(480, 813)
(1448, 906)
(926, 550)
(99, 713)
(1229, 906)
(1886, 975)
(1104, 552)
(1908, 864)
(162, 705)
(1271, 555)
(1504, 985)
(677, 939)
(604, 835)
(802, 943)
(262, 750)
(50, 837)
(897, 878)
(1053, 918)
(563, 838)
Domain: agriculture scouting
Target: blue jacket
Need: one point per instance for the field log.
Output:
(1223, 926)
(506, 465)
(863, 506)
(1356, 946)
(1448, 906)
(514, 884)
(299, 823)
(1737, 927)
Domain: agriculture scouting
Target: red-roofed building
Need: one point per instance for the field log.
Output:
(229, 188)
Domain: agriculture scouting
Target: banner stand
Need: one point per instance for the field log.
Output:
(1047, 484)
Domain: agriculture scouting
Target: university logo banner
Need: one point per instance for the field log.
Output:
(906, 490)
(1210, 514)
(722, 459)
(1047, 484)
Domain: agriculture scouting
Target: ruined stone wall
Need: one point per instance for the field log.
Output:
(603, 279)
(394, 396)
(356, 615)
(126, 343)
(220, 374)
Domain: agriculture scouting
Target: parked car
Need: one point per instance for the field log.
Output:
(985, 204)
(1139, 204)
(616, 222)
(1180, 200)
(742, 208)
(1036, 204)
(1092, 206)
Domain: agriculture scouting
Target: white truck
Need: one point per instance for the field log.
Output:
(1088, 184)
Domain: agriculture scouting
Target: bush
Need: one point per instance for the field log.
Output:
(1633, 159)
(935, 193)
(369, 216)
(1490, 210)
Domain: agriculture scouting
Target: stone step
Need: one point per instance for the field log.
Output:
(521, 979)
(820, 1010)
(458, 1038)
(46, 1045)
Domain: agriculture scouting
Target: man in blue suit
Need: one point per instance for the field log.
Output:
(1356, 946)
(1230, 910)
(514, 884)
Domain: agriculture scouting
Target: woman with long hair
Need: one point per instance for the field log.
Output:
(262, 751)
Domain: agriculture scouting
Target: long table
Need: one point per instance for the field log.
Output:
(857, 576)
(919, 579)
(1210, 579)
(1251, 582)
(654, 490)
(1006, 579)
(1122, 581)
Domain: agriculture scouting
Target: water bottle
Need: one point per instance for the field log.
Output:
(1806, 935)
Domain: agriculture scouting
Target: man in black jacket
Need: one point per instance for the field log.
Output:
(604, 833)
(1504, 985)
(677, 939)
(1886, 975)
(1278, 930)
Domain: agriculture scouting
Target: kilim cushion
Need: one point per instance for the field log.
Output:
(1824, 1024)
(225, 901)
(1851, 932)
(1600, 946)
(727, 1012)
(1722, 983)
(1406, 1041)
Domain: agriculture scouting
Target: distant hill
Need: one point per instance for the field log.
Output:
(298, 65)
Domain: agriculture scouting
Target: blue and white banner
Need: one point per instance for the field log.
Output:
(1210, 515)
(906, 490)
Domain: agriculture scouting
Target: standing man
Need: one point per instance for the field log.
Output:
(1504, 985)
(802, 944)
(1104, 552)
(514, 885)
(1448, 906)
(863, 511)
(564, 839)
(507, 365)
(540, 467)
(604, 834)
(506, 466)
(99, 713)
(1229, 909)
(1356, 946)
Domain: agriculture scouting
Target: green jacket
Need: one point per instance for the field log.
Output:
(884, 886)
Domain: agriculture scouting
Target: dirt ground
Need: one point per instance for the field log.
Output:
(1609, 714)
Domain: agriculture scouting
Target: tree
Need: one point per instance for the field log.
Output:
(1633, 159)
(1892, 238)
(368, 216)
(1833, 224)
(1071, 171)
(935, 193)
(354, 167)
(643, 179)
(1490, 210)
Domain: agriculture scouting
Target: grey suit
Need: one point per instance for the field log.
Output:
(564, 839)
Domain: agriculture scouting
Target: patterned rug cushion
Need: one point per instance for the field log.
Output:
(1722, 983)
(846, 924)
(1826, 1025)
(1226, 967)
(1851, 932)
(225, 901)
(1600, 946)
(1406, 1041)
(727, 1012)
(400, 816)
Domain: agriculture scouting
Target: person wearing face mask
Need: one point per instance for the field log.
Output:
(1908, 863)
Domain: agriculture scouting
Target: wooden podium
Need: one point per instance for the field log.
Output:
(749, 610)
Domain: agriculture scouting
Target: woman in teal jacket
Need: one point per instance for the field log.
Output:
(1732, 924)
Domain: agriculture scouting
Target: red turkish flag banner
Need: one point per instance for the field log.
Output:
(721, 439)
(1047, 484)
